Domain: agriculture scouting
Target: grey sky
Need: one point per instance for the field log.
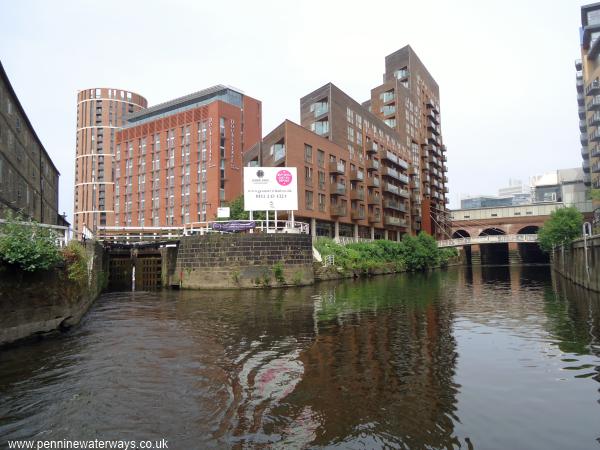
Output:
(505, 68)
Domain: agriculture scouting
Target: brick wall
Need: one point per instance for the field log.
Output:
(222, 261)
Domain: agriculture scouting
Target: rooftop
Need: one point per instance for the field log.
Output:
(190, 101)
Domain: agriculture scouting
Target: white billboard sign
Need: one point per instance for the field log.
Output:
(270, 189)
(223, 212)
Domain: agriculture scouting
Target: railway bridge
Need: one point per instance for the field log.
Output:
(500, 235)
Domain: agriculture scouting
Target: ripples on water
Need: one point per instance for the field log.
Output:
(483, 358)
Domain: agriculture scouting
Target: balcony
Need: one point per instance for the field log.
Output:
(387, 155)
(358, 215)
(373, 199)
(586, 166)
(319, 108)
(372, 164)
(593, 88)
(356, 194)
(580, 99)
(337, 189)
(583, 137)
(336, 167)
(594, 104)
(581, 112)
(338, 210)
(595, 167)
(375, 217)
(278, 152)
(594, 137)
(373, 182)
(592, 121)
(432, 116)
(372, 148)
(594, 151)
(393, 173)
(357, 175)
(388, 187)
(579, 84)
(587, 179)
(432, 127)
(394, 221)
(446, 190)
(583, 126)
(394, 204)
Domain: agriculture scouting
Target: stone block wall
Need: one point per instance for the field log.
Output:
(43, 302)
(570, 262)
(226, 261)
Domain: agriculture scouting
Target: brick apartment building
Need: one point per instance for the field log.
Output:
(374, 170)
(178, 161)
(28, 178)
(408, 101)
(100, 113)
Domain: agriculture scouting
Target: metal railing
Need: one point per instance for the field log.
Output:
(501, 238)
(139, 234)
(63, 234)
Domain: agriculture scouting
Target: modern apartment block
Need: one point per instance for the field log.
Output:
(178, 161)
(340, 194)
(371, 161)
(588, 97)
(28, 178)
(100, 113)
(374, 170)
(408, 101)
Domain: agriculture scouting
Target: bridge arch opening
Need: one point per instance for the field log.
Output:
(530, 252)
(458, 234)
(496, 253)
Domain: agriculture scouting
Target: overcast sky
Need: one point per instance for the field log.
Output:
(505, 68)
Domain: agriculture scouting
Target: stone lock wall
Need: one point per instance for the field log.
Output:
(43, 302)
(226, 261)
(570, 262)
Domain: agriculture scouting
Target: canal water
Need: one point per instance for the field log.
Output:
(484, 358)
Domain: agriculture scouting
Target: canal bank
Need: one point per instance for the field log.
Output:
(579, 262)
(34, 304)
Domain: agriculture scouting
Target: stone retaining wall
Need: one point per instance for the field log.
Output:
(226, 261)
(43, 302)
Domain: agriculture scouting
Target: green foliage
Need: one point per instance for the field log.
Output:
(562, 227)
(28, 245)
(77, 261)
(236, 210)
(102, 280)
(278, 273)
(412, 253)
(595, 194)
(235, 275)
(266, 279)
(297, 278)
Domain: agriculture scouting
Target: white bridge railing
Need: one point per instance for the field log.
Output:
(128, 234)
(501, 238)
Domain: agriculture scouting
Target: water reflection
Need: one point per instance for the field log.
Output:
(475, 357)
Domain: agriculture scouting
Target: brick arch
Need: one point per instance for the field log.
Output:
(492, 231)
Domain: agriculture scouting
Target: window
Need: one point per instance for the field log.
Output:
(320, 127)
(387, 96)
(308, 175)
(278, 151)
(322, 202)
(308, 199)
(350, 133)
(319, 108)
(349, 115)
(320, 158)
(401, 73)
(321, 180)
(307, 153)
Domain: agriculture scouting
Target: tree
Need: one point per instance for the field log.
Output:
(236, 210)
(28, 245)
(562, 227)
